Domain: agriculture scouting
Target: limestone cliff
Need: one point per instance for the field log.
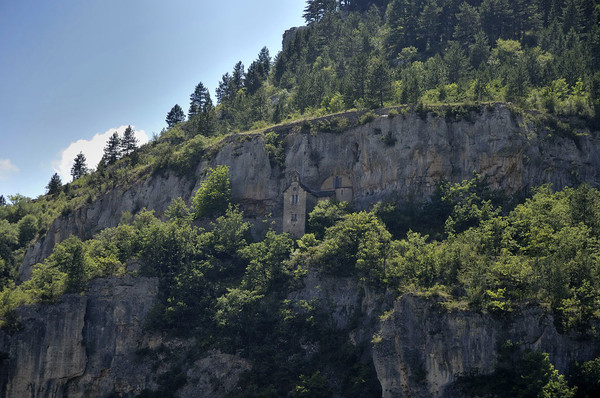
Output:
(92, 345)
(421, 349)
(403, 155)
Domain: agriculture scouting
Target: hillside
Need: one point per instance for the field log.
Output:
(463, 260)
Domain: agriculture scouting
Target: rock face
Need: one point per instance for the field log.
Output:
(81, 346)
(94, 345)
(89, 346)
(404, 155)
(422, 350)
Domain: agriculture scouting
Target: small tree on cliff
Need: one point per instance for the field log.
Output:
(214, 194)
(128, 142)
(175, 116)
(55, 185)
(79, 168)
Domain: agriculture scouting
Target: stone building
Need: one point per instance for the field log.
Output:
(299, 200)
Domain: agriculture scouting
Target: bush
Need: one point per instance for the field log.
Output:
(214, 195)
(367, 118)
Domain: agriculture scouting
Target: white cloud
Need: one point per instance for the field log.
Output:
(92, 149)
(7, 168)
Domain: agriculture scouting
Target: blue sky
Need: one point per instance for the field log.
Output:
(73, 71)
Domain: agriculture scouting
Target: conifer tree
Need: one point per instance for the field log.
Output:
(316, 9)
(79, 168)
(379, 82)
(128, 142)
(175, 116)
(200, 101)
(202, 110)
(2, 201)
(237, 78)
(55, 185)
(112, 150)
(467, 25)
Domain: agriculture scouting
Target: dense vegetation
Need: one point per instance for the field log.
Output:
(539, 54)
(231, 293)
(466, 247)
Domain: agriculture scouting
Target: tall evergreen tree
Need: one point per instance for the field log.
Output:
(429, 26)
(175, 116)
(237, 77)
(200, 102)
(265, 61)
(379, 82)
(128, 142)
(225, 90)
(467, 25)
(316, 9)
(54, 185)
(201, 110)
(456, 61)
(79, 168)
(112, 150)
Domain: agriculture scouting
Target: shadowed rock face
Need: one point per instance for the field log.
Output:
(93, 345)
(422, 349)
(89, 346)
(82, 345)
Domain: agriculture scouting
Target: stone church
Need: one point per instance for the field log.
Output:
(299, 200)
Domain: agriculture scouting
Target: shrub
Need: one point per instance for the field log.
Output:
(214, 195)
(367, 118)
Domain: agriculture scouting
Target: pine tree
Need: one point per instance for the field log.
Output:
(225, 89)
(200, 101)
(2, 201)
(571, 16)
(55, 185)
(379, 82)
(79, 168)
(467, 25)
(456, 61)
(175, 116)
(429, 26)
(128, 142)
(202, 110)
(316, 9)
(112, 150)
(265, 61)
(237, 78)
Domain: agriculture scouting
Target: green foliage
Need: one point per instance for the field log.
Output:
(520, 374)
(359, 241)
(69, 257)
(54, 185)
(586, 376)
(175, 116)
(326, 214)
(27, 227)
(367, 118)
(214, 194)
(313, 386)
(47, 284)
(79, 168)
(274, 148)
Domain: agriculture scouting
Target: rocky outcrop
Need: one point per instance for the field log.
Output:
(93, 345)
(404, 156)
(420, 349)
(82, 345)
